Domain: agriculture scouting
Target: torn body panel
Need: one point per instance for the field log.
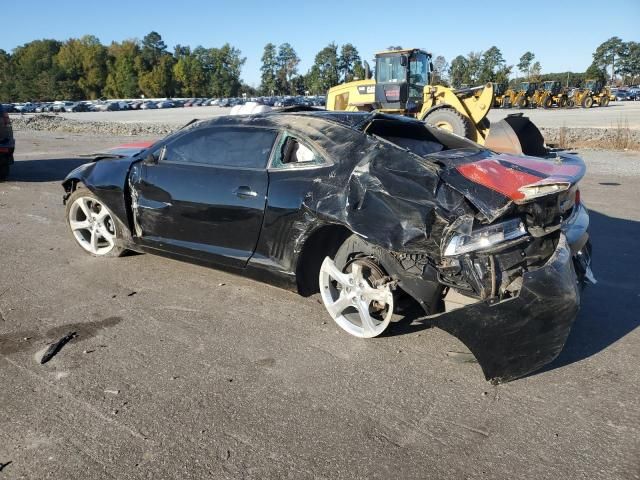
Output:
(517, 336)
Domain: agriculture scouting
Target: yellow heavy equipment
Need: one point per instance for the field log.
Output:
(499, 92)
(593, 93)
(402, 86)
(552, 93)
(525, 94)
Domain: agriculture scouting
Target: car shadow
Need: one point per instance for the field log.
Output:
(609, 309)
(45, 170)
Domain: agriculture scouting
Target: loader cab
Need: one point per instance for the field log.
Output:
(401, 76)
(552, 87)
(594, 86)
(528, 88)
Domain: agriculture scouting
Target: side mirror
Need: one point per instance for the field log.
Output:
(404, 61)
(431, 67)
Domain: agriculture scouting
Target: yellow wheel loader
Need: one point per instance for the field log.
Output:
(525, 95)
(402, 86)
(552, 93)
(593, 93)
(499, 92)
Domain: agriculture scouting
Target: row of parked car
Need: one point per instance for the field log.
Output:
(626, 94)
(116, 105)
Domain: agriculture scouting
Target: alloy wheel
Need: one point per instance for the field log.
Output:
(356, 298)
(92, 225)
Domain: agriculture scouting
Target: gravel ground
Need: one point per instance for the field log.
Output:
(180, 371)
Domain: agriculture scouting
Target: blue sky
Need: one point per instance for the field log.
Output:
(562, 34)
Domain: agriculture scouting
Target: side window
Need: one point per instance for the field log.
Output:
(292, 153)
(228, 147)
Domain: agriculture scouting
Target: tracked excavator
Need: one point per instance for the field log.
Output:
(402, 86)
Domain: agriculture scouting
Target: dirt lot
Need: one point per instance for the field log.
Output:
(185, 372)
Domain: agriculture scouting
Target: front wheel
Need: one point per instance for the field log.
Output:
(356, 290)
(95, 229)
(450, 120)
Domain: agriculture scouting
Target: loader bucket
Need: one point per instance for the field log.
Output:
(517, 135)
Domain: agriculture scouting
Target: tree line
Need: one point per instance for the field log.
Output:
(83, 68)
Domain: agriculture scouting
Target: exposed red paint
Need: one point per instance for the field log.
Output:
(145, 144)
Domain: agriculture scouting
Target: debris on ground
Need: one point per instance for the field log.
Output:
(44, 356)
(461, 357)
(4, 465)
(112, 392)
(131, 294)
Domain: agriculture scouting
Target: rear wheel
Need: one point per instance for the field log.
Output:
(604, 102)
(450, 120)
(587, 102)
(547, 101)
(563, 102)
(356, 290)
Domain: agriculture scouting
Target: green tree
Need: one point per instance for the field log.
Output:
(287, 61)
(491, 63)
(224, 66)
(153, 49)
(269, 70)
(36, 73)
(596, 72)
(524, 65)
(630, 63)
(608, 53)
(122, 76)
(349, 58)
(189, 75)
(7, 81)
(324, 72)
(159, 82)
(459, 71)
(440, 69)
(535, 72)
(83, 63)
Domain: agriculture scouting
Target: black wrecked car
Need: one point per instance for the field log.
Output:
(371, 210)
(7, 143)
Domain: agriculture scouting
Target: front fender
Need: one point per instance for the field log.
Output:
(107, 179)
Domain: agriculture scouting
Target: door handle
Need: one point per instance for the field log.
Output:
(245, 192)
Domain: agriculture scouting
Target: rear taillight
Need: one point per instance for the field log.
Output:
(576, 200)
(6, 121)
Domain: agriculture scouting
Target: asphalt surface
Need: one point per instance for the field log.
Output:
(179, 371)
(617, 113)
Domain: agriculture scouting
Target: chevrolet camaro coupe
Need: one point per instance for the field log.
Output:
(373, 211)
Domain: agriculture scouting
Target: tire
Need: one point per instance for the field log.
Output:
(100, 234)
(587, 102)
(547, 101)
(604, 102)
(4, 168)
(506, 102)
(563, 102)
(450, 120)
(571, 103)
(521, 102)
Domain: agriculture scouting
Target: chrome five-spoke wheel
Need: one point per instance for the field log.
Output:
(92, 225)
(358, 298)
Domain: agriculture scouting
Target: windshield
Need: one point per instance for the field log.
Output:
(418, 74)
(389, 69)
(548, 86)
(591, 85)
(524, 86)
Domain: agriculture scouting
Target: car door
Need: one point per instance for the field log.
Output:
(203, 193)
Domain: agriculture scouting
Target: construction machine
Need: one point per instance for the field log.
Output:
(499, 91)
(402, 86)
(553, 93)
(593, 93)
(525, 95)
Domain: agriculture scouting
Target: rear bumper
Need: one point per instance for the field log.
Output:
(6, 151)
(517, 336)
